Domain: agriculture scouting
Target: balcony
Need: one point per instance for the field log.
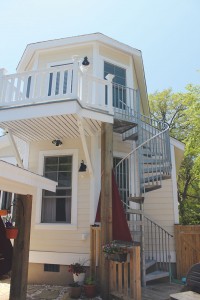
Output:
(62, 91)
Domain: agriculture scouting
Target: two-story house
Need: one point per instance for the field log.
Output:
(52, 110)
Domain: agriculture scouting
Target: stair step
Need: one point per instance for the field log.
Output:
(121, 126)
(152, 161)
(136, 199)
(137, 223)
(131, 137)
(134, 211)
(149, 188)
(149, 263)
(156, 275)
(153, 169)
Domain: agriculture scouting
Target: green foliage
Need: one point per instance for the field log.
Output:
(181, 111)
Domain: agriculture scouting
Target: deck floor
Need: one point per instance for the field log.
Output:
(160, 291)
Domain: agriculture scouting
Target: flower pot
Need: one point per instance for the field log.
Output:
(11, 232)
(118, 257)
(79, 278)
(90, 290)
(3, 212)
(75, 292)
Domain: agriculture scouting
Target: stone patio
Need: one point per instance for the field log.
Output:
(159, 291)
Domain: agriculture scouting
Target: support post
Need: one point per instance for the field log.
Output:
(19, 277)
(106, 202)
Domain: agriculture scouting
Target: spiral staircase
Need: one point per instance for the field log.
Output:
(147, 165)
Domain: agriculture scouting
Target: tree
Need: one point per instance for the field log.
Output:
(181, 111)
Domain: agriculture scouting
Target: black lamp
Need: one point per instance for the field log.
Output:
(83, 167)
(57, 143)
(85, 61)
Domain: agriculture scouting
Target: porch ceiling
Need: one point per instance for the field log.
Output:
(51, 127)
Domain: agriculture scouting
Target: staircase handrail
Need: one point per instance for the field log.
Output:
(148, 218)
(142, 144)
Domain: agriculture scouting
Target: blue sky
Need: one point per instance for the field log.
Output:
(167, 32)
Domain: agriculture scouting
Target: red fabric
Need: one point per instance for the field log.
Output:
(120, 226)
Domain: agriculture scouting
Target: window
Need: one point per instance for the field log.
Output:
(119, 84)
(5, 200)
(51, 268)
(56, 207)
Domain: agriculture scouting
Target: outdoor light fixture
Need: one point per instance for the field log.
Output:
(83, 167)
(85, 62)
(57, 143)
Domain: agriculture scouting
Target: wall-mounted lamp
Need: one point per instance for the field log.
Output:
(57, 143)
(85, 62)
(83, 167)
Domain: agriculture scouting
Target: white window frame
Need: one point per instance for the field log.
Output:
(58, 226)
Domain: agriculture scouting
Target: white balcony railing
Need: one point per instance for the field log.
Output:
(65, 83)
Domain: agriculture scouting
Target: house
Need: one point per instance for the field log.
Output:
(52, 111)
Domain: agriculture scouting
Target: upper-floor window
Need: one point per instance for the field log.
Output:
(119, 84)
(56, 207)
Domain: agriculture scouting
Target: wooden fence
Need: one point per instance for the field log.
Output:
(125, 278)
(187, 239)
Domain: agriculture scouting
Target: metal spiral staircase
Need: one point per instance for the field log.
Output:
(142, 171)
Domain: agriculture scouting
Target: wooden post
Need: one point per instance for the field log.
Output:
(19, 276)
(106, 202)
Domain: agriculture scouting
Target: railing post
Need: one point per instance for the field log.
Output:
(3, 72)
(75, 78)
(110, 77)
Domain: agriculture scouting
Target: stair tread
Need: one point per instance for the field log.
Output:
(134, 211)
(149, 188)
(136, 199)
(121, 126)
(149, 263)
(156, 275)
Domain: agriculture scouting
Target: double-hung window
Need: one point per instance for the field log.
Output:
(56, 207)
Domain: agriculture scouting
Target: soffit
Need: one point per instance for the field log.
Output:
(51, 127)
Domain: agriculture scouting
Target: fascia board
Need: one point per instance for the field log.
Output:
(13, 175)
(177, 144)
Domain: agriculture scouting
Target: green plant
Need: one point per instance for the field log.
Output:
(74, 284)
(77, 268)
(113, 247)
(90, 281)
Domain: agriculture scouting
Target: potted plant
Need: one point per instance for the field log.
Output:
(11, 230)
(90, 287)
(78, 269)
(75, 290)
(3, 212)
(115, 251)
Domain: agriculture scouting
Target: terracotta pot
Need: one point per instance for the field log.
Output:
(3, 212)
(90, 290)
(11, 232)
(75, 292)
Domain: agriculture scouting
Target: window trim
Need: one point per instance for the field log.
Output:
(58, 226)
